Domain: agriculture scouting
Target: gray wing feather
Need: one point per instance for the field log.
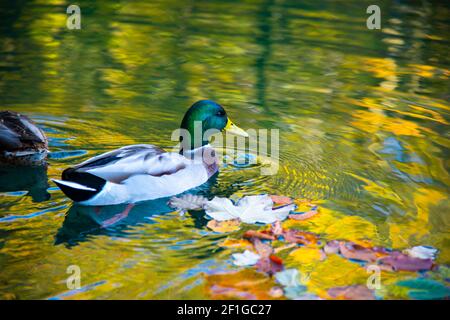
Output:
(20, 132)
(119, 165)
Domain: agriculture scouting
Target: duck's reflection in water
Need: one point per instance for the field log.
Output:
(31, 179)
(84, 221)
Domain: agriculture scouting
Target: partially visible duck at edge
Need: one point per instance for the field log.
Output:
(146, 172)
(22, 142)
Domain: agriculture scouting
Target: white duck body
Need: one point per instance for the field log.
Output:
(137, 173)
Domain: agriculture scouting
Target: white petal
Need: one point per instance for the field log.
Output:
(247, 258)
(261, 216)
(249, 209)
(422, 252)
(221, 209)
(263, 201)
(188, 202)
(288, 278)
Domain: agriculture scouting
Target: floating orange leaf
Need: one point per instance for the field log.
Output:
(280, 200)
(355, 292)
(304, 215)
(265, 235)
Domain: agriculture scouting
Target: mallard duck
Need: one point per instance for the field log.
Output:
(22, 142)
(145, 172)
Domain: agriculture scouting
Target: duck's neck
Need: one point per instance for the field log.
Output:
(196, 153)
(206, 156)
(192, 136)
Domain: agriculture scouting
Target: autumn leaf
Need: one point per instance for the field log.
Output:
(280, 200)
(264, 250)
(277, 228)
(249, 209)
(303, 215)
(270, 265)
(258, 234)
(188, 202)
(354, 292)
(302, 237)
(356, 252)
(247, 258)
(399, 261)
(422, 252)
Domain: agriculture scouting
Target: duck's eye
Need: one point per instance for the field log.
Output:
(220, 113)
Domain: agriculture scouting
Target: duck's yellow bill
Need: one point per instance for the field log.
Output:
(234, 129)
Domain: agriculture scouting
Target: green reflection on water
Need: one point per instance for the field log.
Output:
(363, 118)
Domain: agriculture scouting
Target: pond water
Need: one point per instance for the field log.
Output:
(362, 114)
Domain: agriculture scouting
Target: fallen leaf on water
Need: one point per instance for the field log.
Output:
(247, 258)
(270, 265)
(276, 259)
(264, 250)
(399, 261)
(249, 209)
(303, 215)
(355, 292)
(425, 289)
(288, 246)
(277, 228)
(188, 202)
(354, 251)
(302, 237)
(223, 226)
(288, 278)
(422, 252)
(258, 234)
(280, 199)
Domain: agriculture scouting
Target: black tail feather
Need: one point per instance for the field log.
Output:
(83, 178)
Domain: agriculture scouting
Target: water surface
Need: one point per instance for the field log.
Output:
(363, 118)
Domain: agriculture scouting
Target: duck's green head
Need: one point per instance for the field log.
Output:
(203, 119)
